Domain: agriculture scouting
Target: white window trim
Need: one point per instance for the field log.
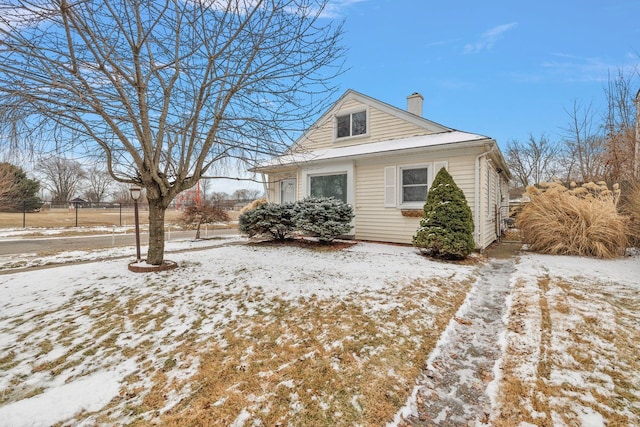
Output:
(334, 169)
(349, 112)
(413, 205)
(431, 174)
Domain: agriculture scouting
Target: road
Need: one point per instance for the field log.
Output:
(42, 245)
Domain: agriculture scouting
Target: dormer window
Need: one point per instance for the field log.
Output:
(352, 124)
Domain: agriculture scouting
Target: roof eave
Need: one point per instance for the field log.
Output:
(433, 148)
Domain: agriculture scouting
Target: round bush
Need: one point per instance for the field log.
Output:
(270, 220)
(323, 217)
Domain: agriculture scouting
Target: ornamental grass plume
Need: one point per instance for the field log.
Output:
(580, 221)
(630, 206)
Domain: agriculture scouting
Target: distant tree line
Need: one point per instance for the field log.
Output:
(593, 146)
(66, 179)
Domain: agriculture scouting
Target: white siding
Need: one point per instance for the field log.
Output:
(490, 186)
(381, 126)
(273, 184)
(376, 222)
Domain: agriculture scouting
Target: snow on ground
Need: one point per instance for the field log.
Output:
(56, 231)
(86, 343)
(572, 343)
(67, 329)
(26, 260)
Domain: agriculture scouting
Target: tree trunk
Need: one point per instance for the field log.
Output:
(157, 208)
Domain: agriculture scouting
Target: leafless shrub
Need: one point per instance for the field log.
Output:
(578, 221)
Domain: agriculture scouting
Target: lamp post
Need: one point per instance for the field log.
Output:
(76, 203)
(135, 195)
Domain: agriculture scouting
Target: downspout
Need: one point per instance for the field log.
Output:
(477, 208)
(265, 186)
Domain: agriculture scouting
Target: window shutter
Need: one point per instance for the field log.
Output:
(390, 187)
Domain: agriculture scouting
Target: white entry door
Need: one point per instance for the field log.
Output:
(288, 191)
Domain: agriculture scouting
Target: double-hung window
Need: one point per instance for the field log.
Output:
(352, 124)
(415, 184)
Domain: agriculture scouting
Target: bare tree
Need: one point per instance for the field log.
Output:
(98, 184)
(61, 177)
(217, 197)
(584, 145)
(205, 189)
(620, 127)
(636, 155)
(166, 89)
(532, 161)
(121, 194)
(246, 194)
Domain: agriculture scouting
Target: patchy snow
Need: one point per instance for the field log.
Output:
(61, 371)
(89, 393)
(26, 260)
(572, 323)
(58, 309)
(41, 231)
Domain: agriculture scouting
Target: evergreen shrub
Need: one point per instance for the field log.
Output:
(270, 220)
(323, 217)
(446, 229)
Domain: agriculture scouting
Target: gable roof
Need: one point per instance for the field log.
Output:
(439, 137)
(351, 94)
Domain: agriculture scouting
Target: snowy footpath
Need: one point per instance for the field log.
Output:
(452, 390)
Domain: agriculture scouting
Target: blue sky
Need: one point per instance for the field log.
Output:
(505, 69)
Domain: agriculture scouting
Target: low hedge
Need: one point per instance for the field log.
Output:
(321, 217)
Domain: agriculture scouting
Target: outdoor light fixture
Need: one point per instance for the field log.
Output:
(136, 192)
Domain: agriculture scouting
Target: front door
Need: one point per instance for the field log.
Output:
(288, 191)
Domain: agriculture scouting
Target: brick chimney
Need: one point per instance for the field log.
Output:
(414, 104)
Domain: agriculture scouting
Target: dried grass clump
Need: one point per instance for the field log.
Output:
(579, 221)
(253, 205)
(631, 207)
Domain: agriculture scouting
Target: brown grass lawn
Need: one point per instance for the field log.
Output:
(210, 347)
(572, 354)
(87, 217)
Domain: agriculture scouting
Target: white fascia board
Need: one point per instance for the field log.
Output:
(433, 142)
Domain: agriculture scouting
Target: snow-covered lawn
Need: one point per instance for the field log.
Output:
(238, 335)
(248, 335)
(572, 344)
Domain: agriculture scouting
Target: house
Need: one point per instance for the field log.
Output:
(382, 160)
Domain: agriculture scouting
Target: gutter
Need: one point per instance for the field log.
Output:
(433, 148)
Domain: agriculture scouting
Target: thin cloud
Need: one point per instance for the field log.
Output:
(573, 68)
(336, 8)
(488, 39)
(442, 42)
